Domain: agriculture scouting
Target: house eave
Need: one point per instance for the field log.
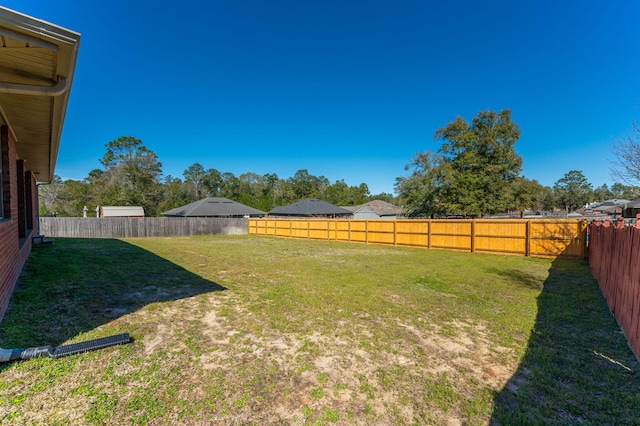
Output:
(36, 73)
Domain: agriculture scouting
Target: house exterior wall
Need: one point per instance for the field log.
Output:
(365, 213)
(18, 219)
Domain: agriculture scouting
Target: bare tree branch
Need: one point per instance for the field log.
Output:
(626, 166)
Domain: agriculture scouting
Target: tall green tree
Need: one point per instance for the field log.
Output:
(268, 198)
(482, 161)
(341, 194)
(131, 175)
(625, 192)
(175, 193)
(75, 195)
(194, 177)
(572, 191)
(66, 198)
(472, 172)
(602, 193)
(419, 192)
(305, 185)
(212, 182)
(528, 194)
(230, 186)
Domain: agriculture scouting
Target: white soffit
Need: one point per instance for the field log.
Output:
(37, 62)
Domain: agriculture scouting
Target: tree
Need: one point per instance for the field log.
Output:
(342, 194)
(602, 193)
(572, 190)
(472, 172)
(65, 198)
(268, 199)
(252, 187)
(131, 175)
(49, 196)
(212, 181)
(419, 192)
(626, 149)
(174, 194)
(305, 185)
(283, 193)
(74, 196)
(483, 162)
(229, 186)
(194, 176)
(528, 194)
(625, 192)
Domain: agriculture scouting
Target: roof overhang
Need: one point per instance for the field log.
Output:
(37, 62)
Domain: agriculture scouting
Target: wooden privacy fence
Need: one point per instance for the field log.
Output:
(124, 227)
(524, 237)
(614, 256)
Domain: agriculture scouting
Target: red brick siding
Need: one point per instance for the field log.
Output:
(22, 212)
(13, 251)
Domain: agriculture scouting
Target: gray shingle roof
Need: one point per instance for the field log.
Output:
(382, 208)
(309, 207)
(213, 207)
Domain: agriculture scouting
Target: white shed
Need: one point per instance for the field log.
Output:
(121, 211)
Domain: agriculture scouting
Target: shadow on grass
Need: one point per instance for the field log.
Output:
(577, 368)
(76, 285)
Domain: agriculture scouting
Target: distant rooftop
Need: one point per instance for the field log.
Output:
(214, 207)
(310, 207)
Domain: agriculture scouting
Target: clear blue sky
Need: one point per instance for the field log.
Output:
(345, 89)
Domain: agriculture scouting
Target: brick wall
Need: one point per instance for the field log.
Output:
(14, 250)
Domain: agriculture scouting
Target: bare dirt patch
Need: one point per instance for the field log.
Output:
(298, 376)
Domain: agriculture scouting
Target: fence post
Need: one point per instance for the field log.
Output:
(395, 232)
(473, 235)
(366, 232)
(585, 239)
(527, 244)
(428, 234)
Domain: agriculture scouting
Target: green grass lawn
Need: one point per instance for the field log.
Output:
(258, 330)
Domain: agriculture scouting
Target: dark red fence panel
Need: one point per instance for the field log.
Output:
(614, 256)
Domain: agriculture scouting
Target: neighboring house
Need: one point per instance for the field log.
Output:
(122, 211)
(214, 207)
(375, 209)
(37, 62)
(632, 209)
(310, 207)
(607, 208)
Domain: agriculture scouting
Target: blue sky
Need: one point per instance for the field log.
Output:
(345, 89)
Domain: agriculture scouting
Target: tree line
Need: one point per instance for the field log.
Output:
(475, 172)
(132, 175)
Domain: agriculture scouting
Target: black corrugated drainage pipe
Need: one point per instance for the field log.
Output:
(7, 355)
